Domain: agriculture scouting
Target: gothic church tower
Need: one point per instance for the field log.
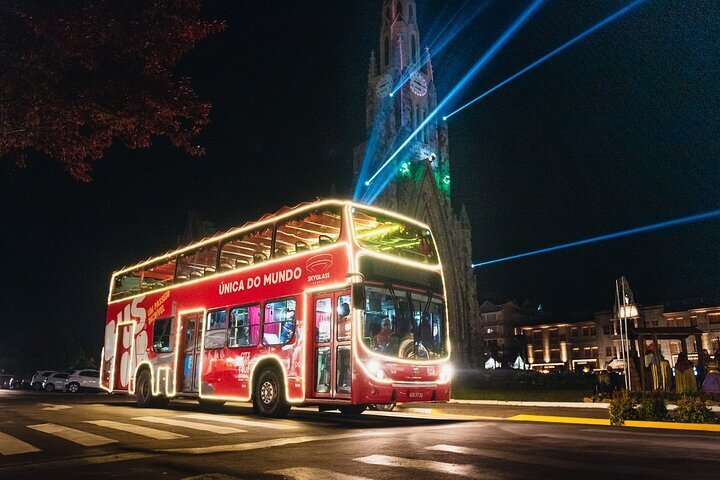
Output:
(419, 180)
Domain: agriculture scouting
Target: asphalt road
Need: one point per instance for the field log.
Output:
(93, 436)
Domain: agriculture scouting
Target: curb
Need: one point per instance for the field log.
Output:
(702, 427)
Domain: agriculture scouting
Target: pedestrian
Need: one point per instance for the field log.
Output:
(684, 375)
(712, 378)
(703, 360)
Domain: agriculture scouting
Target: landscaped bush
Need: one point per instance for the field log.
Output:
(622, 407)
(693, 409)
(652, 408)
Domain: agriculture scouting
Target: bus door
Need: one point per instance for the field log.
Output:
(189, 351)
(331, 335)
(123, 359)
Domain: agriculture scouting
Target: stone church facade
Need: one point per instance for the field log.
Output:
(418, 182)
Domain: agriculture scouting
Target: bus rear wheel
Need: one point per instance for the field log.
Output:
(269, 395)
(143, 392)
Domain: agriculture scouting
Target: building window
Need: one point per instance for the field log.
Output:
(593, 331)
(398, 10)
(161, 335)
(279, 322)
(413, 49)
(606, 330)
(608, 351)
(594, 352)
(714, 318)
(585, 331)
(411, 13)
(586, 352)
(574, 332)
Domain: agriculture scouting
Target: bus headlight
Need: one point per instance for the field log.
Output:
(446, 373)
(374, 369)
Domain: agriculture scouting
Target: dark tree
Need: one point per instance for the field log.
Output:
(78, 75)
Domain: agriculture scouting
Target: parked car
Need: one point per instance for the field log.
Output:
(19, 382)
(83, 380)
(616, 364)
(5, 380)
(56, 381)
(39, 377)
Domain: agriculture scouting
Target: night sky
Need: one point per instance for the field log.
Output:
(619, 131)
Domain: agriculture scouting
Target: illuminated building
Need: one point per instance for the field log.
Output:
(420, 184)
(547, 341)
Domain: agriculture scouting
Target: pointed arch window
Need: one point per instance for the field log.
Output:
(386, 51)
(411, 13)
(399, 10)
(413, 49)
(388, 13)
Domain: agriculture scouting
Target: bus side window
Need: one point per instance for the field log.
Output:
(279, 322)
(244, 326)
(312, 229)
(161, 335)
(247, 248)
(216, 322)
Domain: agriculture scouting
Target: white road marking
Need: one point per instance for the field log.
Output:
(545, 461)
(12, 446)
(77, 436)
(137, 430)
(303, 473)
(206, 427)
(52, 406)
(240, 421)
(418, 464)
(275, 442)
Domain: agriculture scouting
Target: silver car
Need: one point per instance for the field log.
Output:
(56, 381)
(83, 380)
(39, 378)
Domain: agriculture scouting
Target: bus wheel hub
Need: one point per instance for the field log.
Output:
(267, 392)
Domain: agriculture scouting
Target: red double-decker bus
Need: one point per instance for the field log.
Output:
(332, 304)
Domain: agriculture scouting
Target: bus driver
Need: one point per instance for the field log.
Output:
(385, 340)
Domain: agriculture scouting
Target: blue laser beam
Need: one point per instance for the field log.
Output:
(610, 236)
(441, 41)
(489, 54)
(548, 56)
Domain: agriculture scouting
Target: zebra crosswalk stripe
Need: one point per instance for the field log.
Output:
(12, 446)
(76, 436)
(418, 464)
(137, 430)
(240, 421)
(206, 427)
(304, 473)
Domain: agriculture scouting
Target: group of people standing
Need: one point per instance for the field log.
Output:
(688, 378)
(660, 375)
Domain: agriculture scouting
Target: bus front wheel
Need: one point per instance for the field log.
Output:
(143, 392)
(269, 395)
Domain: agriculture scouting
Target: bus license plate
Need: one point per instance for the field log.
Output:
(416, 394)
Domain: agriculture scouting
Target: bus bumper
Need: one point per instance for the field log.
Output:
(403, 392)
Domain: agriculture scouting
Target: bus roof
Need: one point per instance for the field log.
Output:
(268, 218)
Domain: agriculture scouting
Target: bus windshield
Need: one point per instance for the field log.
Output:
(390, 235)
(404, 324)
